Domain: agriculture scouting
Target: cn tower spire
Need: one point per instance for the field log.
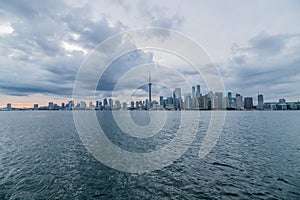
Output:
(150, 84)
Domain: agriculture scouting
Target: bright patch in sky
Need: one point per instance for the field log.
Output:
(6, 28)
(73, 47)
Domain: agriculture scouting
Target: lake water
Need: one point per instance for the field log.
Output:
(256, 157)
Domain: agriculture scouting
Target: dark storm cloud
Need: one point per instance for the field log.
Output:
(91, 33)
(121, 66)
(37, 43)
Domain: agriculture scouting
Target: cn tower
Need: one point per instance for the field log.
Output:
(149, 84)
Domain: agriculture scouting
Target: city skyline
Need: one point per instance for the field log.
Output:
(189, 101)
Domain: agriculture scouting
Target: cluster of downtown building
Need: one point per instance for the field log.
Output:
(193, 100)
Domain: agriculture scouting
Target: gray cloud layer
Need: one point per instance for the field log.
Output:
(269, 64)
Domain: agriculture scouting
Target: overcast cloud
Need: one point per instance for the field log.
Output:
(42, 44)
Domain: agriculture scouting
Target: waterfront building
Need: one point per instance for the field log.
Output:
(177, 92)
(193, 91)
(35, 106)
(50, 106)
(117, 105)
(239, 102)
(260, 100)
(91, 106)
(161, 100)
(82, 105)
(124, 106)
(187, 101)
(111, 102)
(97, 105)
(218, 100)
(202, 102)
(225, 102)
(8, 107)
(281, 105)
(248, 103)
(198, 92)
(105, 103)
(281, 100)
(132, 105)
(70, 105)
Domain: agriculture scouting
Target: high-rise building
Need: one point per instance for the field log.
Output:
(161, 100)
(203, 102)
(219, 100)
(239, 102)
(132, 105)
(177, 98)
(105, 103)
(229, 95)
(70, 105)
(111, 102)
(193, 91)
(82, 104)
(35, 106)
(91, 106)
(177, 92)
(198, 92)
(50, 105)
(147, 104)
(117, 105)
(231, 101)
(124, 106)
(260, 99)
(170, 100)
(8, 106)
(248, 103)
(194, 99)
(187, 101)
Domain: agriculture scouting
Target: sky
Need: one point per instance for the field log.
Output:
(255, 45)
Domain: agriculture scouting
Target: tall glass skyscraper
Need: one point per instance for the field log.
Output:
(198, 93)
(260, 99)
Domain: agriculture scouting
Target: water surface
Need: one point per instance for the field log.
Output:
(257, 156)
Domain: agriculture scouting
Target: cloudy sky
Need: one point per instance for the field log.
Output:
(255, 44)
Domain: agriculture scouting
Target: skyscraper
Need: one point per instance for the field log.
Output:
(248, 103)
(260, 99)
(218, 100)
(97, 104)
(177, 98)
(161, 100)
(50, 106)
(193, 91)
(8, 106)
(35, 106)
(187, 101)
(111, 102)
(194, 99)
(198, 93)
(177, 92)
(239, 102)
(105, 104)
